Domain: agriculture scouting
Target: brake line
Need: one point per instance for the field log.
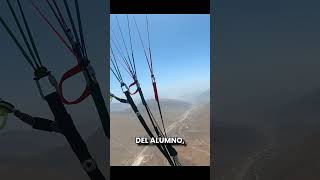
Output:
(150, 65)
(132, 69)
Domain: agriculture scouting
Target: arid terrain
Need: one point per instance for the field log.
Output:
(191, 121)
(38, 162)
(279, 142)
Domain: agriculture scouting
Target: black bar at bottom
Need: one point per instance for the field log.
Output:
(160, 172)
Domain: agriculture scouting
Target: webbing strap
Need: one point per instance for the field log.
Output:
(119, 99)
(68, 129)
(151, 117)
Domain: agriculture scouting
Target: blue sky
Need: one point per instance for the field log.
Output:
(180, 46)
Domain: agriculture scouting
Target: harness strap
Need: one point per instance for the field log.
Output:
(37, 122)
(68, 129)
(119, 99)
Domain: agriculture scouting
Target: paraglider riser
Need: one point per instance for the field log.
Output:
(145, 126)
(68, 129)
(102, 110)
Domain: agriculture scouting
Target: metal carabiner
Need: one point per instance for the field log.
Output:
(124, 87)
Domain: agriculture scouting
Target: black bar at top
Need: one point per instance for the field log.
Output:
(160, 6)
